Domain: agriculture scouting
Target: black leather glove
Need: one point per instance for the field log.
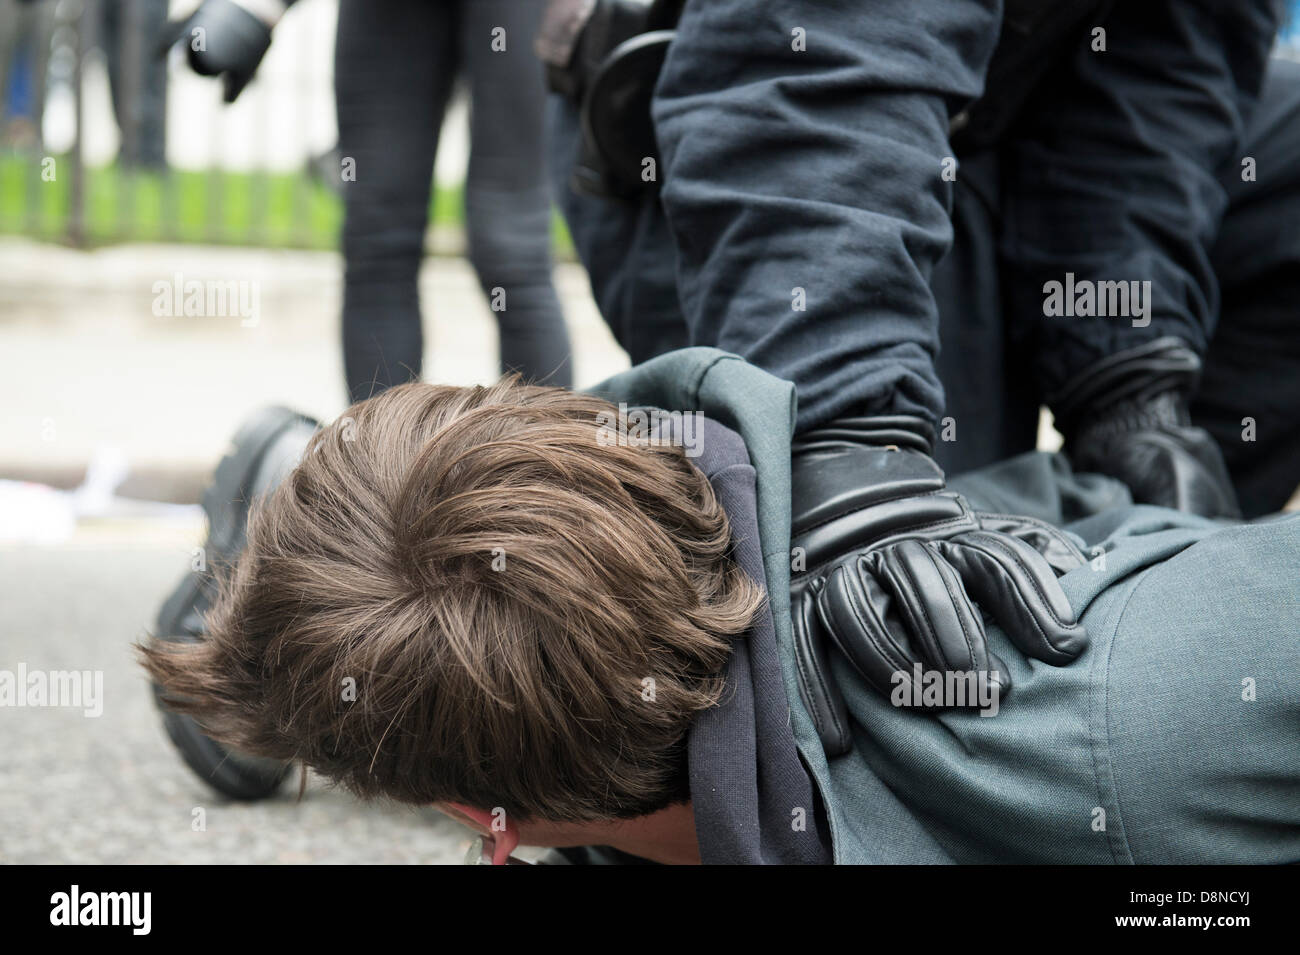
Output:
(1127, 417)
(892, 561)
(232, 43)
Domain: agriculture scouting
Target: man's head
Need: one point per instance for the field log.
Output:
(470, 596)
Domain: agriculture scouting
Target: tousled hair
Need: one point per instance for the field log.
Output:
(530, 615)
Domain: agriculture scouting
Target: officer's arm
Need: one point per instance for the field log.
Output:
(803, 147)
(1114, 176)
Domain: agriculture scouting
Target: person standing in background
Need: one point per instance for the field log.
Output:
(25, 31)
(138, 82)
(396, 63)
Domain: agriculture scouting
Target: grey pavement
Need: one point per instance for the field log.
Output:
(111, 789)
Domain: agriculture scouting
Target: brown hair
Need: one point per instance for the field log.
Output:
(501, 582)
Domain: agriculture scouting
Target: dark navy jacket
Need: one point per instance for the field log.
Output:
(802, 155)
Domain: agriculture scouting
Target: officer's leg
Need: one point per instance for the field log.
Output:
(989, 398)
(1250, 389)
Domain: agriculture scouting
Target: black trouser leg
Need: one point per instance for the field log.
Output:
(395, 63)
(989, 395)
(1252, 369)
(507, 196)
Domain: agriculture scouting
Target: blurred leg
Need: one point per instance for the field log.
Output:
(1252, 368)
(137, 78)
(507, 199)
(395, 62)
(43, 18)
(9, 35)
(25, 30)
(150, 18)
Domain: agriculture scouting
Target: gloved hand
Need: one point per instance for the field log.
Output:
(892, 561)
(1127, 417)
(232, 42)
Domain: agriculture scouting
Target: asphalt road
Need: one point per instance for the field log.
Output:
(111, 789)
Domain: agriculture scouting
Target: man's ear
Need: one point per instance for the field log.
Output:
(504, 840)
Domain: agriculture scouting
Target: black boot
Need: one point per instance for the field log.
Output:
(1127, 417)
(266, 448)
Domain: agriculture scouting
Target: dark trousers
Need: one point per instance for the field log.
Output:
(1252, 367)
(396, 63)
(137, 78)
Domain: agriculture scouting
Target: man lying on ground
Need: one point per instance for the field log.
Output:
(516, 604)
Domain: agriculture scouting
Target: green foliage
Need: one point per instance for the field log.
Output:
(271, 210)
